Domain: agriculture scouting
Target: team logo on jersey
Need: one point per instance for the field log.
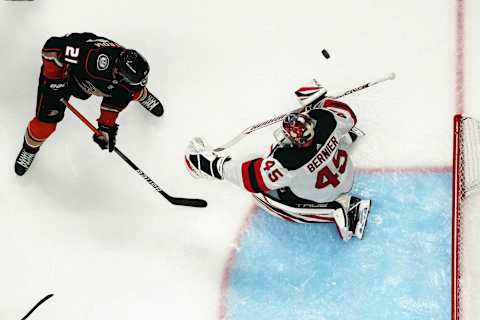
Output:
(102, 62)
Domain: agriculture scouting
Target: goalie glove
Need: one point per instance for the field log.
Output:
(311, 94)
(202, 162)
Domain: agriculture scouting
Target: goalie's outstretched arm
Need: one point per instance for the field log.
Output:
(256, 175)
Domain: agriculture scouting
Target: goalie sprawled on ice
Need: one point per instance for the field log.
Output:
(308, 175)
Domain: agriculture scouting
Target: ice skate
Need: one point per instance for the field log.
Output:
(24, 160)
(152, 104)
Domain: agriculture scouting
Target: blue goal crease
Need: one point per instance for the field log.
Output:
(400, 270)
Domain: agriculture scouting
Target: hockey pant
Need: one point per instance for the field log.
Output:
(50, 110)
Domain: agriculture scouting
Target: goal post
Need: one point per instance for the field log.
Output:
(465, 182)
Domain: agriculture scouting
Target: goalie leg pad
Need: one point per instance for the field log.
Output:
(309, 213)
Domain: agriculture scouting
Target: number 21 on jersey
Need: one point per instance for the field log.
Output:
(71, 54)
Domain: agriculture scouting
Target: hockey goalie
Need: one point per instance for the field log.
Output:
(307, 176)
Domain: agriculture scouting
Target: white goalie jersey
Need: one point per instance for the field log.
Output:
(319, 173)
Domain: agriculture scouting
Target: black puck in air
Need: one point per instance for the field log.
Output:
(326, 54)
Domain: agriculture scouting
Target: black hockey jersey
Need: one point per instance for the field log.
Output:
(89, 61)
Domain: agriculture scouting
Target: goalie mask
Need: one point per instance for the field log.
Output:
(299, 128)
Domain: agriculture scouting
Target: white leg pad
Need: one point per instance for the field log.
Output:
(308, 214)
(342, 227)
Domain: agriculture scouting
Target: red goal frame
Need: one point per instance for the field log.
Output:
(459, 193)
(456, 215)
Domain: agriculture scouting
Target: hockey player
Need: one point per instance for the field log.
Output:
(82, 65)
(308, 175)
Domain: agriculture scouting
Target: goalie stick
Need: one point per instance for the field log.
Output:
(271, 121)
(200, 203)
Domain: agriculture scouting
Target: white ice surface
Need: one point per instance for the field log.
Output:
(82, 225)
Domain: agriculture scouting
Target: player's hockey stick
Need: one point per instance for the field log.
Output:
(200, 203)
(269, 122)
(37, 305)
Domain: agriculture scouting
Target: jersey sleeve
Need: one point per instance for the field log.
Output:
(59, 52)
(344, 115)
(112, 105)
(121, 97)
(257, 175)
(53, 66)
(116, 103)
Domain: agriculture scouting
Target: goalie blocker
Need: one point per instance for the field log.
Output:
(308, 175)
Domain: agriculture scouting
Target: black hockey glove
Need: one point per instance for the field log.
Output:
(108, 138)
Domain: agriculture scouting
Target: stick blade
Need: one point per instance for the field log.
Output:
(187, 202)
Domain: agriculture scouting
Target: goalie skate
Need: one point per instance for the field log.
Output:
(358, 216)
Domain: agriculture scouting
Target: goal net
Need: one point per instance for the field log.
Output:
(465, 218)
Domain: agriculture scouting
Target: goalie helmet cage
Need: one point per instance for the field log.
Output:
(465, 181)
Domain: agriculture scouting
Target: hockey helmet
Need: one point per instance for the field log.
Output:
(299, 128)
(132, 67)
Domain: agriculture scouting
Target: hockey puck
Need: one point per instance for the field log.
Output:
(326, 54)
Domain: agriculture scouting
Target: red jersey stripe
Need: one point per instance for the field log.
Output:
(258, 175)
(332, 104)
(245, 176)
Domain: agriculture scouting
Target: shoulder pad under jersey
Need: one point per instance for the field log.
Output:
(325, 124)
(293, 158)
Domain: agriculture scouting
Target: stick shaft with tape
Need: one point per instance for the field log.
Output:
(278, 118)
(199, 203)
